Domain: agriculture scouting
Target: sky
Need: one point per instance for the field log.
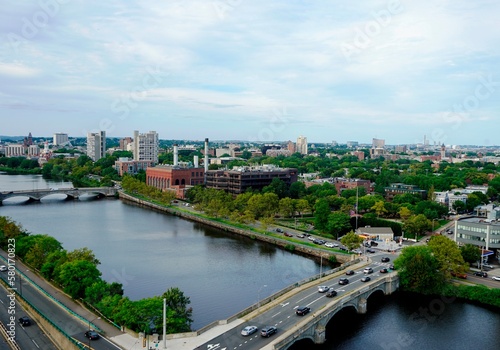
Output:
(253, 70)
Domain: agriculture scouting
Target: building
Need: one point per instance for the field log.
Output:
(448, 198)
(278, 152)
(479, 232)
(33, 151)
(342, 184)
(15, 151)
(59, 139)
(376, 233)
(125, 142)
(174, 178)
(146, 146)
(96, 145)
(28, 141)
(399, 188)
(301, 145)
(359, 154)
(290, 146)
(240, 179)
(130, 166)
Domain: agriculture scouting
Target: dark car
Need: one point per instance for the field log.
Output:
(391, 266)
(93, 335)
(365, 279)
(268, 331)
(370, 250)
(349, 272)
(302, 310)
(343, 281)
(279, 230)
(384, 270)
(332, 293)
(24, 321)
(385, 259)
(481, 274)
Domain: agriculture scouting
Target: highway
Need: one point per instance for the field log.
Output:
(283, 315)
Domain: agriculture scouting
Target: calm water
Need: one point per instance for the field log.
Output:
(149, 252)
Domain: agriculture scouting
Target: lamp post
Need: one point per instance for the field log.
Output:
(90, 321)
(258, 295)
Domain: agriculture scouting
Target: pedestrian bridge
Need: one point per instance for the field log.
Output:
(71, 193)
(313, 327)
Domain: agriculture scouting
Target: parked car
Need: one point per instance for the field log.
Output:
(384, 270)
(311, 238)
(488, 266)
(495, 278)
(248, 330)
(481, 274)
(331, 293)
(268, 331)
(368, 270)
(3, 268)
(92, 335)
(279, 230)
(365, 279)
(329, 244)
(302, 310)
(459, 275)
(343, 281)
(288, 234)
(300, 236)
(349, 272)
(24, 321)
(385, 259)
(323, 289)
(370, 250)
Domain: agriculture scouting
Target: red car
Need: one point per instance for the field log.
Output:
(288, 234)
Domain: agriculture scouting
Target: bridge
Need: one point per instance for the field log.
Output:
(71, 193)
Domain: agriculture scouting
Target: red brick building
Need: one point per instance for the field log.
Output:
(174, 178)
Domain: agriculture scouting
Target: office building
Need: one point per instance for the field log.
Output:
(60, 139)
(302, 144)
(96, 145)
(146, 146)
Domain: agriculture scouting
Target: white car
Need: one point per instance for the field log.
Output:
(248, 330)
(329, 244)
(3, 268)
(495, 278)
(323, 289)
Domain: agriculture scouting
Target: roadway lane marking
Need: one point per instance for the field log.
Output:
(275, 314)
(35, 343)
(285, 304)
(315, 300)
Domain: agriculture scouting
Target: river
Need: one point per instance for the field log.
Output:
(149, 252)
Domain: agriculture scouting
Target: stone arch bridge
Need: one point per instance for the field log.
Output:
(71, 193)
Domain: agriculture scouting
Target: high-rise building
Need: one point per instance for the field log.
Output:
(96, 145)
(302, 145)
(59, 138)
(125, 142)
(146, 146)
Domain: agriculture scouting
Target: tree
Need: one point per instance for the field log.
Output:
(470, 253)
(83, 254)
(418, 270)
(277, 186)
(76, 276)
(301, 206)
(42, 246)
(448, 255)
(321, 213)
(351, 240)
(459, 206)
(417, 225)
(179, 315)
(379, 208)
(338, 223)
(404, 213)
(287, 206)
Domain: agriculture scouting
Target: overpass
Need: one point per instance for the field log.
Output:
(71, 193)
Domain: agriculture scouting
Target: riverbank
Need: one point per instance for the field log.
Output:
(243, 230)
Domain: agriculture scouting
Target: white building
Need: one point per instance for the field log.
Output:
(301, 146)
(96, 145)
(145, 146)
(60, 139)
(15, 151)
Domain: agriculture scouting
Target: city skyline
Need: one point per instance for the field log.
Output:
(253, 71)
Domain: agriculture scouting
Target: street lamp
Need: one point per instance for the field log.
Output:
(258, 295)
(90, 321)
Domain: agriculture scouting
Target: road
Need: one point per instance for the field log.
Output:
(57, 314)
(283, 315)
(30, 337)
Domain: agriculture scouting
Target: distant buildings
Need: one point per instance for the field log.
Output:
(480, 232)
(129, 166)
(96, 145)
(145, 146)
(174, 178)
(59, 139)
(399, 188)
(125, 142)
(301, 146)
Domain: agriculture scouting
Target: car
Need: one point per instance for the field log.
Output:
(365, 279)
(279, 230)
(311, 238)
(385, 259)
(495, 278)
(300, 236)
(370, 250)
(368, 270)
(288, 234)
(3, 268)
(459, 275)
(302, 310)
(24, 321)
(384, 270)
(349, 272)
(268, 331)
(391, 266)
(481, 274)
(248, 330)
(323, 289)
(343, 281)
(488, 266)
(373, 243)
(329, 244)
(92, 335)
(357, 251)
(331, 293)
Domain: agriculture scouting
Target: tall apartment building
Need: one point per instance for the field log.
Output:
(59, 138)
(125, 142)
(146, 146)
(301, 145)
(96, 145)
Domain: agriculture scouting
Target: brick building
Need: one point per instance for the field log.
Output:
(174, 178)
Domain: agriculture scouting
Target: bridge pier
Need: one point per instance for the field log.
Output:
(362, 306)
(319, 334)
